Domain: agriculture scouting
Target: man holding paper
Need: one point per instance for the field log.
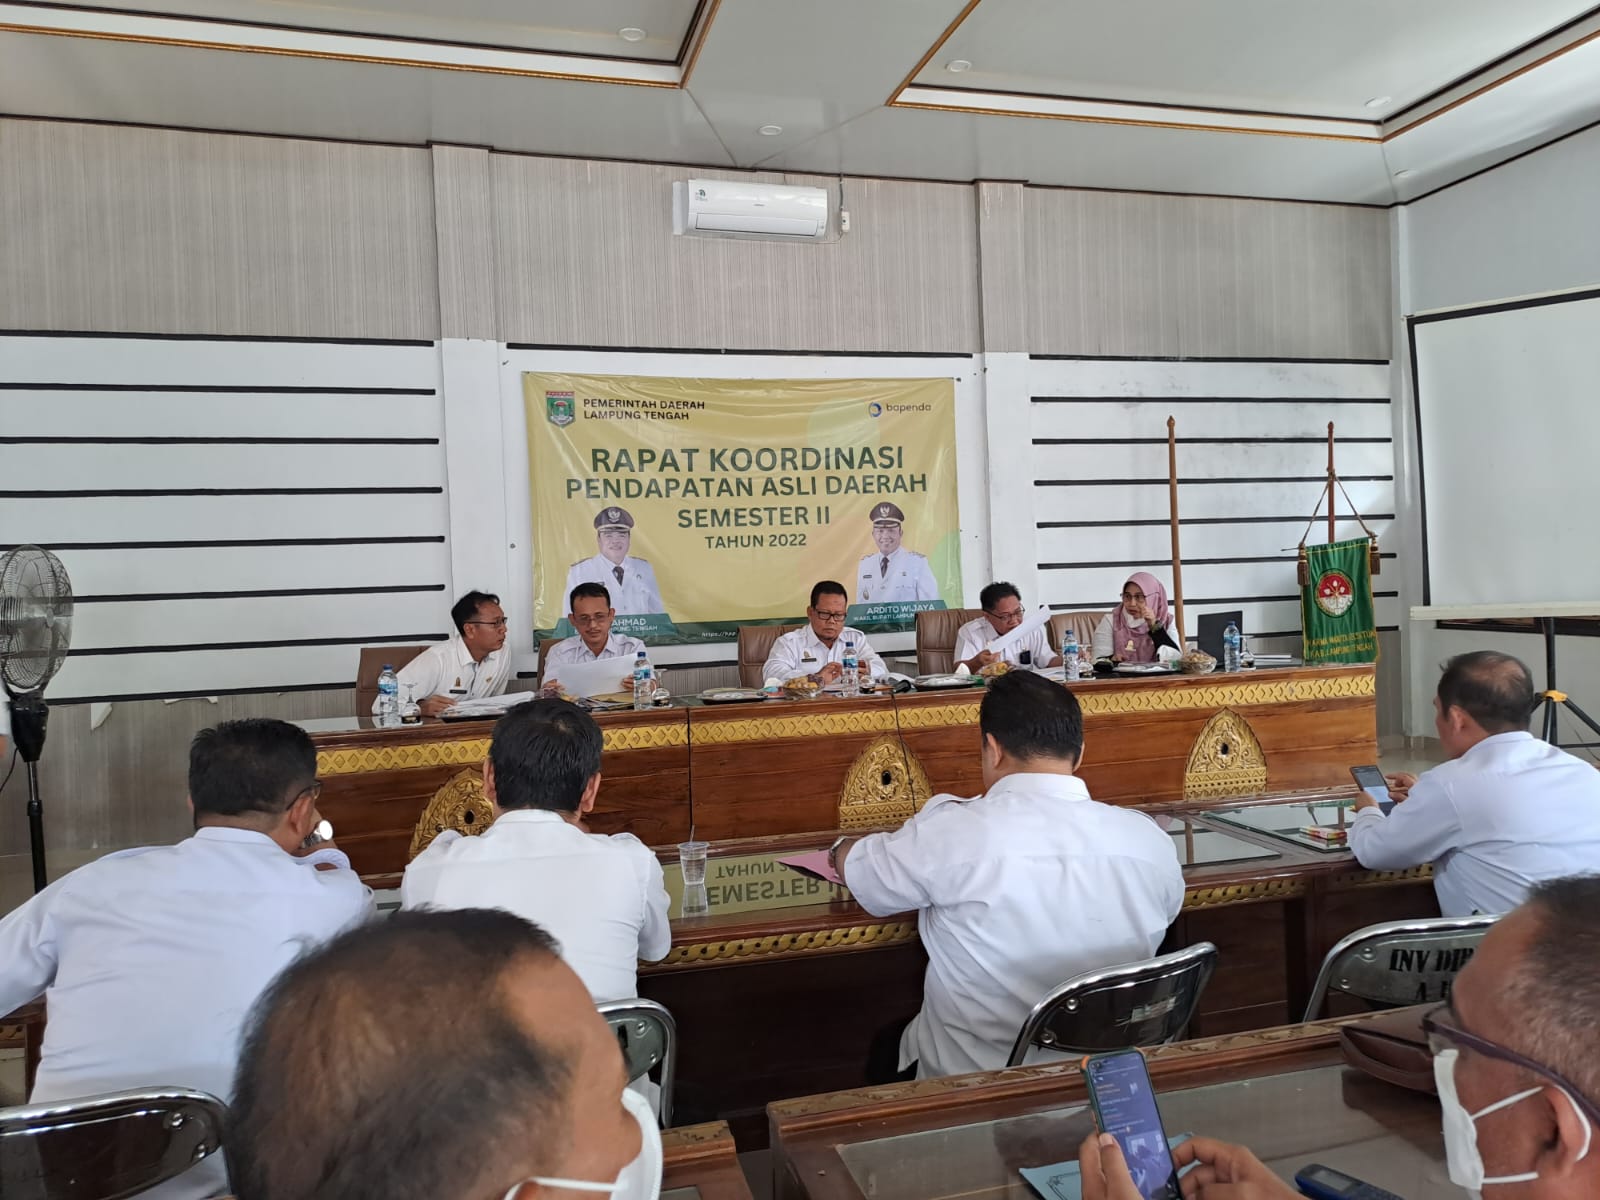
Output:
(999, 635)
(592, 615)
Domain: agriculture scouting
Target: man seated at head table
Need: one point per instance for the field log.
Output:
(149, 959)
(469, 666)
(601, 897)
(1506, 811)
(1002, 612)
(1513, 1056)
(590, 609)
(436, 1056)
(1019, 889)
(817, 651)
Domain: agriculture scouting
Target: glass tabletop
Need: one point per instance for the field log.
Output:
(742, 883)
(683, 1193)
(1201, 847)
(1330, 1115)
(1289, 822)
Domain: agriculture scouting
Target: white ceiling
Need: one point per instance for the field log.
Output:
(827, 70)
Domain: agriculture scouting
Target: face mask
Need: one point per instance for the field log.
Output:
(639, 1180)
(1461, 1127)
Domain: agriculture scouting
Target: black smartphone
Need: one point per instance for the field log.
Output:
(1124, 1104)
(1371, 780)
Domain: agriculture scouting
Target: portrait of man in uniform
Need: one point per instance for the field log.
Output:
(892, 573)
(630, 580)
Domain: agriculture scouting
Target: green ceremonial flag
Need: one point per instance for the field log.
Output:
(1336, 606)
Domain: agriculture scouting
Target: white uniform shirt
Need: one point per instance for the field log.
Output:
(635, 593)
(801, 652)
(448, 669)
(1509, 813)
(906, 576)
(573, 650)
(150, 959)
(1016, 891)
(974, 637)
(602, 898)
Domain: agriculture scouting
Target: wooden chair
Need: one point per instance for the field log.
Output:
(1081, 623)
(371, 665)
(936, 638)
(755, 644)
(545, 645)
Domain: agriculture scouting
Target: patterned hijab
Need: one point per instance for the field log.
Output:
(1123, 632)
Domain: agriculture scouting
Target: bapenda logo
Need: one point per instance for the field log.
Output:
(874, 409)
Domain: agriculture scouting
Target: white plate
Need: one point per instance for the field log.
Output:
(1145, 669)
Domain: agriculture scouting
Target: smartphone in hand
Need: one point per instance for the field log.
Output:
(1371, 781)
(1124, 1104)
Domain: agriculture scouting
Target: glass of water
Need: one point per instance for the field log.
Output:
(692, 861)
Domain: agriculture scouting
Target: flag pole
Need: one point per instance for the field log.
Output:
(1172, 495)
(1333, 481)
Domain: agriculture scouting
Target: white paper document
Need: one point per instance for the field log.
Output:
(1006, 641)
(489, 706)
(602, 677)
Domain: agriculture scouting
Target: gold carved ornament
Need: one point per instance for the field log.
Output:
(368, 760)
(790, 945)
(460, 805)
(1225, 760)
(886, 786)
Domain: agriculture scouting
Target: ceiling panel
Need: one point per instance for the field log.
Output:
(1259, 55)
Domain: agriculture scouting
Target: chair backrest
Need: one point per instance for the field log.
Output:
(108, 1146)
(936, 638)
(545, 645)
(1398, 963)
(1081, 623)
(649, 1039)
(370, 666)
(755, 644)
(1144, 1003)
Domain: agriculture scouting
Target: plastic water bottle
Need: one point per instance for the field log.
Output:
(1230, 647)
(644, 682)
(388, 696)
(852, 669)
(1069, 653)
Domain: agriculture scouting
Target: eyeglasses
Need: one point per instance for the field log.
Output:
(828, 616)
(1013, 615)
(589, 619)
(500, 624)
(1442, 1033)
(1133, 595)
(313, 789)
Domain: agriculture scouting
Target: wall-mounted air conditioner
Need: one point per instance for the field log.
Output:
(739, 209)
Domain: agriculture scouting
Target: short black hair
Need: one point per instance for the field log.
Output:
(466, 608)
(996, 592)
(1031, 717)
(828, 587)
(1494, 689)
(1555, 990)
(385, 1065)
(258, 765)
(595, 591)
(544, 752)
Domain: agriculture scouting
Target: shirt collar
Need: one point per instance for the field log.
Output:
(1502, 739)
(1028, 783)
(232, 833)
(530, 816)
(464, 656)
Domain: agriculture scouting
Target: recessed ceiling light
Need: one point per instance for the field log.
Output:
(958, 65)
(1406, 174)
(631, 34)
(770, 130)
(1379, 101)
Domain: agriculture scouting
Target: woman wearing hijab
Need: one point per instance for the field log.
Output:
(1138, 626)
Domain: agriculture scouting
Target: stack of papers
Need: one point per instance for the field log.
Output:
(487, 706)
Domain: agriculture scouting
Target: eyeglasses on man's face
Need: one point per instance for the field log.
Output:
(1443, 1031)
(1010, 614)
(830, 617)
(599, 618)
(500, 624)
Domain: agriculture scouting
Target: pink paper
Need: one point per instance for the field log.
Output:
(814, 864)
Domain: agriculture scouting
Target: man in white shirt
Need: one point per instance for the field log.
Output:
(589, 606)
(817, 651)
(471, 665)
(1506, 812)
(1002, 612)
(602, 898)
(632, 581)
(150, 959)
(1019, 889)
(893, 574)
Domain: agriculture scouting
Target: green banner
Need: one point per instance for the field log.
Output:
(1336, 612)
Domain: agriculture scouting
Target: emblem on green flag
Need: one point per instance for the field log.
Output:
(1336, 612)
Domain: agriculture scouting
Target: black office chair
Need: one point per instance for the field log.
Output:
(1398, 963)
(649, 1039)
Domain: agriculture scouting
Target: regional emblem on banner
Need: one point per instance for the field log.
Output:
(559, 408)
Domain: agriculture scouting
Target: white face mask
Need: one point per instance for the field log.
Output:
(1461, 1127)
(639, 1180)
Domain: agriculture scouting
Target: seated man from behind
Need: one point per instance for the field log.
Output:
(1513, 1056)
(149, 959)
(436, 1056)
(602, 898)
(817, 651)
(1507, 811)
(1002, 612)
(592, 615)
(471, 665)
(1019, 889)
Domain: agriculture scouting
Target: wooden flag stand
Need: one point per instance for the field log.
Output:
(1302, 566)
(1172, 500)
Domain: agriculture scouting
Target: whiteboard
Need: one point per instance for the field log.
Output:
(1508, 404)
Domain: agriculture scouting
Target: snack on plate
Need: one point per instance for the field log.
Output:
(1197, 662)
(802, 688)
(995, 669)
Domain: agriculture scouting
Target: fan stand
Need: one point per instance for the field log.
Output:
(29, 715)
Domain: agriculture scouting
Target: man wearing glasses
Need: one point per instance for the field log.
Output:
(1513, 1057)
(470, 666)
(1002, 612)
(817, 651)
(589, 606)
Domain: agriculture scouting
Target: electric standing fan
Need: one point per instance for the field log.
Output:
(35, 631)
